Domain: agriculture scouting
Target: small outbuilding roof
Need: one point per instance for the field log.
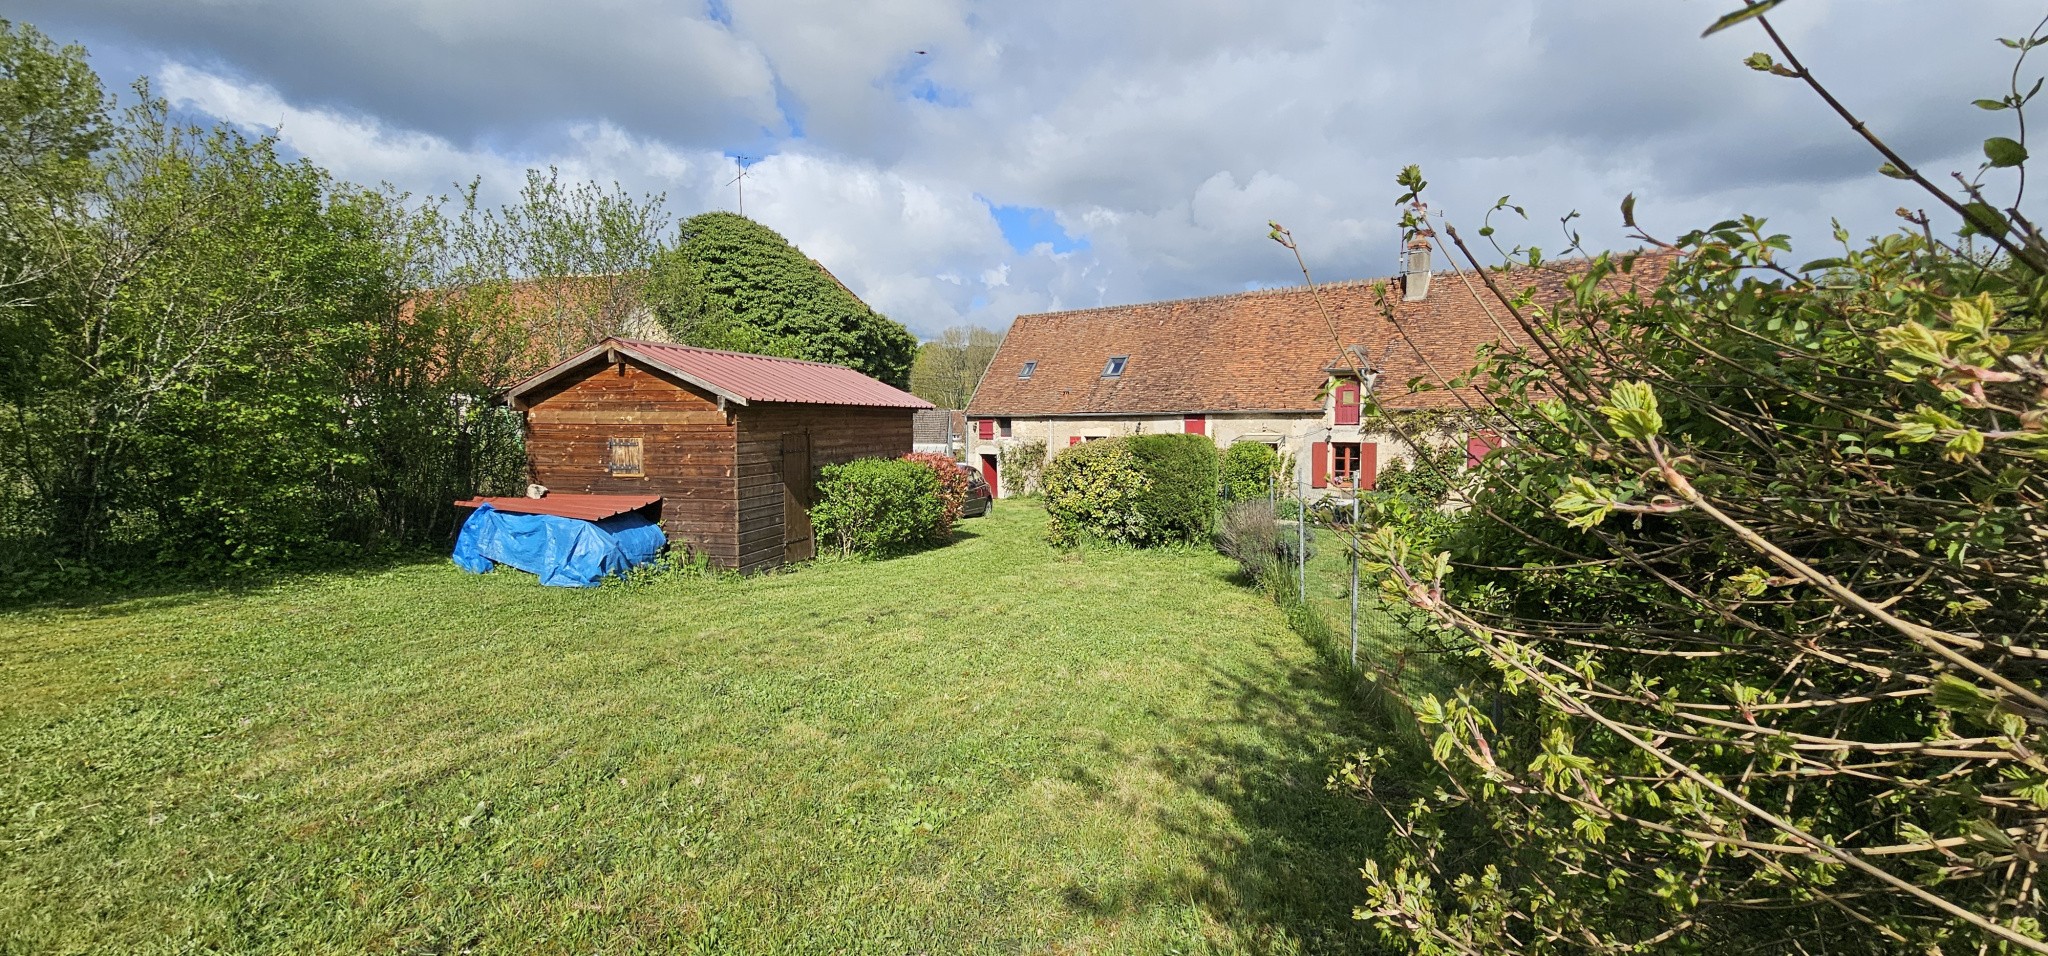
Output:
(581, 507)
(737, 377)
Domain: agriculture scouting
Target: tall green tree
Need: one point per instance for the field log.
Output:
(949, 367)
(203, 345)
(736, 284)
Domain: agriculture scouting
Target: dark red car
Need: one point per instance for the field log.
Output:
(979, 498)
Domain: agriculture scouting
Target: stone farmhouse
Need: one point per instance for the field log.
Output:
(1265, 366)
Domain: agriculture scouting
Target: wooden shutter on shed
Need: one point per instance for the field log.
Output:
(1319, 465)
(623, 458)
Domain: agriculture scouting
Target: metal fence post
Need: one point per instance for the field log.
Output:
(1301, 535)
(1352, 546)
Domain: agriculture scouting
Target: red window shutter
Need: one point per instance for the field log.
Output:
(1319, 464)
(1074, 440)
(1368, 465)
(987, 427)
(1195, 424)
(1347, 404)
(1480, 445)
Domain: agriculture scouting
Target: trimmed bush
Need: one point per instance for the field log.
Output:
(1180, 498)
(1249, 470)
(953, 487)
(877, 506)
(1092, 491)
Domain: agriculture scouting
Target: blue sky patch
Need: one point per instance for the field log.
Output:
(717, 10)
(792, 109)
(1027, 227)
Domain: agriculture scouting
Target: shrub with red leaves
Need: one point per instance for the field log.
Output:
(953, 486)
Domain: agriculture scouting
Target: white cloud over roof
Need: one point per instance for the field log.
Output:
(1159, 136)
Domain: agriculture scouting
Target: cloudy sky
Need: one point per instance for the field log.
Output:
(970, 160)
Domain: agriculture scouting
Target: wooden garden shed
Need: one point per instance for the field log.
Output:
(731, 442)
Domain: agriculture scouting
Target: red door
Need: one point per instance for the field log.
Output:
(988, 474)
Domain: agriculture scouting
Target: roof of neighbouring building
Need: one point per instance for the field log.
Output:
(737, 377)
(1267, 350)
(930, 425)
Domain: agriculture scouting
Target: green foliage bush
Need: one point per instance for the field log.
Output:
(1181, 486)
(1092, 492)
(1249, 471)
(954, 484)
(212, 355)
(877, 506)
(732, 283)
(1766, 542)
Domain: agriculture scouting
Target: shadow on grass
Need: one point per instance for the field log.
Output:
(125, 590)
(1284, 874)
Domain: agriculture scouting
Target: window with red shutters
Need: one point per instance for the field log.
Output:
(1074, 440)
(1319, 464)
(987, 427)
(1480, 445)
(1195, 424)
(1347, 403)
(1368, 465)
(1343, 462)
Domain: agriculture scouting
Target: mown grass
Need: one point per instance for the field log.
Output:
(990, 747)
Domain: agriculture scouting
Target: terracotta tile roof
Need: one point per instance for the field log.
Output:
(1263, 351)
(740, 377)
(929, 425)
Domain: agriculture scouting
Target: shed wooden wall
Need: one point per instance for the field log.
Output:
(687, 450)
(837, 433)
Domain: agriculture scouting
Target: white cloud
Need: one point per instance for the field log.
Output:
(1162, 134)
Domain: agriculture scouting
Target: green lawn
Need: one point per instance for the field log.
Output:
(990, 747)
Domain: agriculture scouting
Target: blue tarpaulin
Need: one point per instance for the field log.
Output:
(565, 552)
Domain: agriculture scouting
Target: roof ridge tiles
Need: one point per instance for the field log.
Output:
(1291, 289)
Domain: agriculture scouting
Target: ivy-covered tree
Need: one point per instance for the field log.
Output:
(733, 283)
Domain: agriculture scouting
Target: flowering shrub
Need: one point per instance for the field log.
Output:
(954, 483)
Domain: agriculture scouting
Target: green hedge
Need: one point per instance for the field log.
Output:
(1249, 470)
(1180, 500)
(877, 506)
(1141, 490)
(1091, 491)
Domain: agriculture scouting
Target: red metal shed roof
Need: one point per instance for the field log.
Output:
(742, 378)
(582, 507)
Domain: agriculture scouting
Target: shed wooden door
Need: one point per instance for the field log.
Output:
(798, 543)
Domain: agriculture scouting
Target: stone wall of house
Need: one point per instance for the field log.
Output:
(1291, 435)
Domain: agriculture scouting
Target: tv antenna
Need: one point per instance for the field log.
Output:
(741, 181)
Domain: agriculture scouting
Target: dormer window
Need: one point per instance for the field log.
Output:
(1115, 366)
(1347, 402)
(1029, 367)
